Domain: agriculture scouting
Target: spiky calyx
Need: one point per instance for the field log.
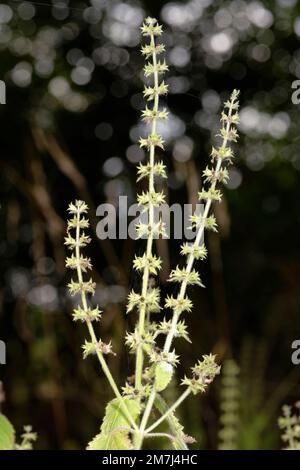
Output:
(76, 261)
(205, 221)
(289, 423)
(203, 373)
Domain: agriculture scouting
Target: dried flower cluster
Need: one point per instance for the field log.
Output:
(154, 366)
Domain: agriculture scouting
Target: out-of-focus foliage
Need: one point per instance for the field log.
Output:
(249, 409)
(70, 129)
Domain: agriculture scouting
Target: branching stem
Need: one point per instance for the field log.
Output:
(189, 266)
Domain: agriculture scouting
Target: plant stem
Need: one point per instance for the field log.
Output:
(160, 434)
(145, 281)
(182, 397)
(102, 361)
(146, 415)
(191, 258)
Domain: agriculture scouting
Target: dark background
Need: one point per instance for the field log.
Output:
(69, 130)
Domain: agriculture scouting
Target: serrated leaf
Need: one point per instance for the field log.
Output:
(7, 434)
(163, 375)
(114, 434)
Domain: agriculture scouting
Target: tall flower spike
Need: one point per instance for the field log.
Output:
(217, 173)
(204, 372)
(80, 263)
(149, 264)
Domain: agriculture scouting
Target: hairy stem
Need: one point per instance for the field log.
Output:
(145, 281)
(144, 421)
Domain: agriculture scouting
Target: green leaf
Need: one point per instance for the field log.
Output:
(116, 440)
(114, 433)
(163, 375)
(7, 434)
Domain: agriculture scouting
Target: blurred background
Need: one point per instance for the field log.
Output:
(69, 129)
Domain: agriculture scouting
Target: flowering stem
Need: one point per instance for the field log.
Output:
(191, 257)
(91, 330)
(144, 421)
(145, 281)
